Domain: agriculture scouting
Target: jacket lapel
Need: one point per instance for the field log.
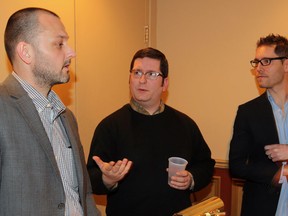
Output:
(267, 119)
(27, 108)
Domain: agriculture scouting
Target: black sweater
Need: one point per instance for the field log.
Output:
(148, 141)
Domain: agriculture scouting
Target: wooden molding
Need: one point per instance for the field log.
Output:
(221, 164)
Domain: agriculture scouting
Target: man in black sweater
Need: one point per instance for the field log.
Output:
(130, 149)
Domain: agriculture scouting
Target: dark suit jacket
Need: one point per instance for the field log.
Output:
(30, 182)
(254, 128)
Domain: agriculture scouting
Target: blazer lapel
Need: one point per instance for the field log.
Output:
(27, 109)
(266, 117)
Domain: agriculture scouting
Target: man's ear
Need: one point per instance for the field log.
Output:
(285, 64)
(23, 50)
(165, 84)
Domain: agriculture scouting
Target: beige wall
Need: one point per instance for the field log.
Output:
(208, 45)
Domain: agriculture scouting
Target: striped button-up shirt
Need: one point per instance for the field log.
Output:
(49, 110)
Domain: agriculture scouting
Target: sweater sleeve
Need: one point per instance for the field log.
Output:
(99, 145)
(202, 165)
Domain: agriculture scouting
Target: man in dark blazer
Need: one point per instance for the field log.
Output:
(259, 124)
(42, 166)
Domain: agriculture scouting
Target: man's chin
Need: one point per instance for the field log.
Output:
(65, 79)
(62, 81)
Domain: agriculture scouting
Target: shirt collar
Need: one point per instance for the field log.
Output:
(140, 109)
(272, 101)
(39, 100)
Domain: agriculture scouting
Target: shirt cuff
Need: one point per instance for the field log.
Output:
(114, 187)
(192, 181)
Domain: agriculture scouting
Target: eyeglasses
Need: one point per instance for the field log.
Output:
(265, 61)
(150, 75)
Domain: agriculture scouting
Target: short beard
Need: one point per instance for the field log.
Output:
(46, 77)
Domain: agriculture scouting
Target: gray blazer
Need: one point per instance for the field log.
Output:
(30, 182)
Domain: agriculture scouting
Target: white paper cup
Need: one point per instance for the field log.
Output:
(176, 164)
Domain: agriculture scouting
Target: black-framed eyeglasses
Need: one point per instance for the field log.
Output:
(265, 61)
(150, 75)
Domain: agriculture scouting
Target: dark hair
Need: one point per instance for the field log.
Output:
(280, 42)
(154, 54)
(23, 25)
